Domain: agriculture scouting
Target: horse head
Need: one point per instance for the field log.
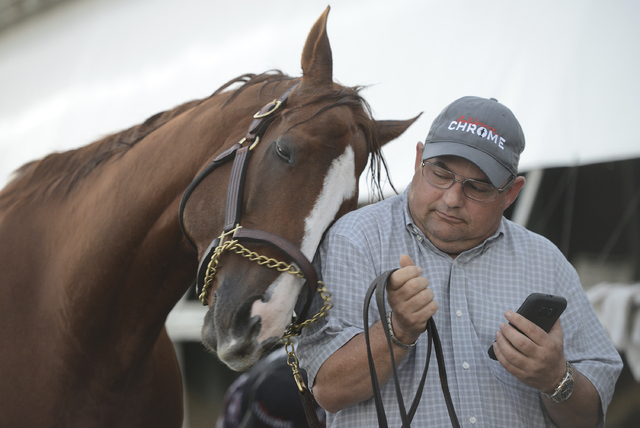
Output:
(308, 149)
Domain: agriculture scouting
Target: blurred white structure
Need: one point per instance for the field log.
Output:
(72, 71)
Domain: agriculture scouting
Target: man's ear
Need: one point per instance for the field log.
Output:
(419, 150)
(512, 192)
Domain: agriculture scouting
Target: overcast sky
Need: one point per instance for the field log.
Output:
(568, 69)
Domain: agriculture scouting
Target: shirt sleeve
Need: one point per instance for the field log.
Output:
(586, 344)
(347, 271)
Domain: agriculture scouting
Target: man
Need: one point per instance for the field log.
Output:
(473, 268)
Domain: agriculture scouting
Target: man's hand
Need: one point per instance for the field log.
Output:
(344, 379)
(411, 301)
(535, 358)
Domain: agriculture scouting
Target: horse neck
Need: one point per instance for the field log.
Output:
(129, 249)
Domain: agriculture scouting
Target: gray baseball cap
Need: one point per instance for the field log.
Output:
(482, 131)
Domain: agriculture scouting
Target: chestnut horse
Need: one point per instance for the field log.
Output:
(93, 258)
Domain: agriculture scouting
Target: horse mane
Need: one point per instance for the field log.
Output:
(58, 173)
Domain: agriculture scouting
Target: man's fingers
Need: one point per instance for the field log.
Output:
(536, 334)
(556, 330)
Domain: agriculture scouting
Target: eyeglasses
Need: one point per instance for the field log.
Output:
(475, 190)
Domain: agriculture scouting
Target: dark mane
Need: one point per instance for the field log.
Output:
(58, 173)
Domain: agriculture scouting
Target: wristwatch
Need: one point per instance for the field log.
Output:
(564, 390)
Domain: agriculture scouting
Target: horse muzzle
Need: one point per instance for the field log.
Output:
(238, 347)
(242, 334)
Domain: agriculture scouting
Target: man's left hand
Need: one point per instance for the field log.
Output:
(535, 358)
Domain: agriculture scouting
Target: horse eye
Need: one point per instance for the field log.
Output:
(282, 153)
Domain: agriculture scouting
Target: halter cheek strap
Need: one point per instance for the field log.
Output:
(221, 159)
(261, 121)
(240, 155)
(236, 186)
(236, 233)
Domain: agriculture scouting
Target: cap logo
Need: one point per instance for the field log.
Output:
(477, 128)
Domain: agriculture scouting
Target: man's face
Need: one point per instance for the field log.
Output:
(450, 220)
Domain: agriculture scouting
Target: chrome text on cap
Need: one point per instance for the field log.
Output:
(478, 128)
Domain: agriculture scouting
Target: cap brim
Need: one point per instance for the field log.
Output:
(493, 169)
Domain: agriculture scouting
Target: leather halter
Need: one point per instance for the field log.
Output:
(240, 154)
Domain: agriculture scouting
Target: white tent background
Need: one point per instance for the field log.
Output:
(568, 69)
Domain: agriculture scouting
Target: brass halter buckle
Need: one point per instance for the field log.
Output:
(270, 108)
(212, 267)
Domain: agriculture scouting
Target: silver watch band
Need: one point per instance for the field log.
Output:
(565, 389)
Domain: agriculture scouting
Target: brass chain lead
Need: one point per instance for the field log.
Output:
(296, 329)
(235, 246)
(293, 329)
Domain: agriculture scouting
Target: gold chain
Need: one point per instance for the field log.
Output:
(293, 329)
(235, 246)
(212, 267)
(296, 329)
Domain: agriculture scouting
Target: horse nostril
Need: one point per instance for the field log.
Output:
(253, 326)
(243, 323)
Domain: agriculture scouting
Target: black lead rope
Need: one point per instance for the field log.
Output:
(379, 285)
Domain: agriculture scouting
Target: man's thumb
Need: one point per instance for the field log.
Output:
(405, 260)
(401, 276)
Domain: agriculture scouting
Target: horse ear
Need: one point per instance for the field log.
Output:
(391, 129)
(317, 62)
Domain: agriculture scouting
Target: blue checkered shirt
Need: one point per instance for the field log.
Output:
(473, 291)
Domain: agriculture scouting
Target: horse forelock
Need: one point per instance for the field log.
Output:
(331, 98)
(351, 98)
(248, 80)
(344, 96)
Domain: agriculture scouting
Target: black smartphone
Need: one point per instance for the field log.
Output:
(541, 309)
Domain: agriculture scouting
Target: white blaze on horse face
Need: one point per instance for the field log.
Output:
(339, 185)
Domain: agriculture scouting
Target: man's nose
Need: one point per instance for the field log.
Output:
(454, 195)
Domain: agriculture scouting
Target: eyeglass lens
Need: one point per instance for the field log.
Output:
(444, 179)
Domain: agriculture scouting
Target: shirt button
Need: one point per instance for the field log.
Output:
(459, 313)
(473, 419)
(465, 365)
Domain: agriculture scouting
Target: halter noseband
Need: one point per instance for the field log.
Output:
(233, 234)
